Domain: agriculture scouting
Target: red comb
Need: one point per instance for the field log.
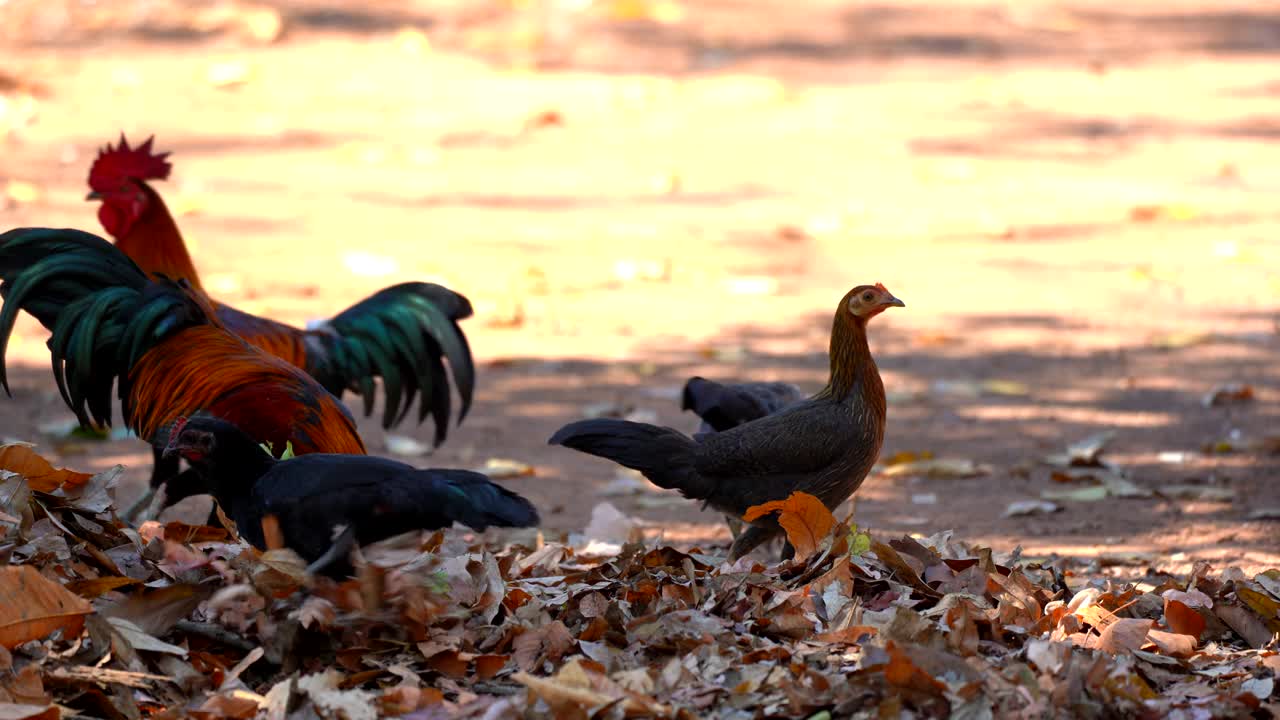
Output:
(115, 165)
(881, 288)
(178, 423)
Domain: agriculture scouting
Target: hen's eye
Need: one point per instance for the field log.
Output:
(866, 297)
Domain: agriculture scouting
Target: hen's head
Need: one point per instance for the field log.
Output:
(117, 179)
(867, 301)
(190, 440)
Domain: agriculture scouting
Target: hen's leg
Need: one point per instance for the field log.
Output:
(735, 526)
(750, 539)
(339, 550)
(163, 469)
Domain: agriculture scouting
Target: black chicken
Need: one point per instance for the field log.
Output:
(824, 446)
(312, 495)
(723, 406)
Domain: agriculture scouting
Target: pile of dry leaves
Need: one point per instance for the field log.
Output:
(102, 619)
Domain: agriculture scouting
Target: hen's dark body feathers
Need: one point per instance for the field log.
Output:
(727, 405)
(377, 497)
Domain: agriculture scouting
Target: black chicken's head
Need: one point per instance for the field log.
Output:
(192, 441)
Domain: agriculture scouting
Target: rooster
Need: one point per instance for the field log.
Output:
(311, 496)
(162, 341)
(401, 334)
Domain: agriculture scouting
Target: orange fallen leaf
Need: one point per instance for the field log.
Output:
(1182, 619)
(488, 666)
(94, 587)
(41, 475)
(32, 607)
(805, 519)
(852, 635)
(271, 532)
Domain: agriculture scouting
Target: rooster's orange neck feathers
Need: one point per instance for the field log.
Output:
(154, 242)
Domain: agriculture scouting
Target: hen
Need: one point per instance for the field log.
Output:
(161, 341)
(311, 496)
(727, 405)
(824, 446)
(400, 334)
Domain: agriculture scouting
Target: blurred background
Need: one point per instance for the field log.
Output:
(1076, 200)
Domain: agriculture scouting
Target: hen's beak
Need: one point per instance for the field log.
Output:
(892, 301)
(94, 195)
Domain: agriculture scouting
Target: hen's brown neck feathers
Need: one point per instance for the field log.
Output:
(854, 375)
(155, 243)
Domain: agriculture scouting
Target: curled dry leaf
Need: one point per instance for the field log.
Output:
(1124, 635)
(938, 468)
(14, 711)
(1228, 393)
(41, 475)
(1172, 644)
(32, 607)
(1083, 453)
(505, 469)
(1031, 507)
(805, 519)
(405, 446)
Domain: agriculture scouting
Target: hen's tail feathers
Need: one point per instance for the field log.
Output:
(477, 502)
(402, 334)
(663, 455)
(102, 310)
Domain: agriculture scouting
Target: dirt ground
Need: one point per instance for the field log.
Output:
(1075, 200)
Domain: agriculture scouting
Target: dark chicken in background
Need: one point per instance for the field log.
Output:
(311, 496)
(401, 334)
(161, 341)
(824, 446)
(723, 406)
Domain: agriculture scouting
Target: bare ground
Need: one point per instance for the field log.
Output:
(1076, 202)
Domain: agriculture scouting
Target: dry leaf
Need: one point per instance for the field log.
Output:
(805, 519)
(1172, 644)
(41, 476)
(1229, 393)
(1182, 619)
(11, 711)
(32, 607)
(938, 468)
(1030, 507)
(1124, 635)
(1083, 453)
(504, 469)
(405, 446)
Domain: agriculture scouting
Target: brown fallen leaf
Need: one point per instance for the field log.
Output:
(1244, 623)
(938, 468)
(1229, 393)
(32, 607)
(1172, 644)
(1124, 635)
(41, 475)
(805, 519)
(12, 711)
(1182, 619)
(1266, 607)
